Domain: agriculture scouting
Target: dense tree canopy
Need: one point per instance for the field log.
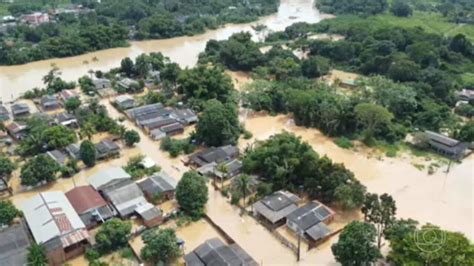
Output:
(57, 137)
(112, 235)
(38, 169)
(218, 124)
(131, 137)
(358, 7)
(356, 245)
(192, 194)
(288, 163)
(8, 212)
(87, 153)
(36, 255)
(160, 245)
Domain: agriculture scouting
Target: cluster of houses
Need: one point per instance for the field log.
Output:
(60, 222)
(282, 208)
(155, 119)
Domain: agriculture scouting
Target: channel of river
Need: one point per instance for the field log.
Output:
(15, 80)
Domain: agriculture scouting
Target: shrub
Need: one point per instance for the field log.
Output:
(343, 142)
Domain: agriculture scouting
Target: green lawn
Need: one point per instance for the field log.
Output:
(431, 22)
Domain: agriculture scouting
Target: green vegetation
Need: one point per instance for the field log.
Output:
(380, 211)
(107, 25)
(218, 124)
(6, 169)
(358, 7)
(87, 153)
(136, 169)
(8, 212)
(192, 194)
(40, 168)
(160, 246)
(176, 147)
(343, 142)
(112, 235)
(131, 137)
(287, 163)
(356, 245)
(36, 255)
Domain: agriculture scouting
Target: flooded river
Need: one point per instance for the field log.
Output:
(15, 80)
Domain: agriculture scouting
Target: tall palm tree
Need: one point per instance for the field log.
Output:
(222, 167)
(87, 131)
(242, 184)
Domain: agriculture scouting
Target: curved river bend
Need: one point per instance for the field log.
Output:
(15, 80)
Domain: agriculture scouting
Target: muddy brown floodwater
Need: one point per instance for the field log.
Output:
(15, 80)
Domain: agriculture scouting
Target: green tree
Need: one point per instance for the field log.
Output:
(113, 235)
(38, 169)
(204, 83)
(218, 124)
(127, 66)
(6, 169)
(72, 104)
(87, 130)
(131, 137)
(242, 184)
(372, 117)
(351, 195)
(380, 211)
(428, 245)
(87, 86)
(160, 245)
(57, 137)
(36, 255)
(192, 194)
(87, 153)
(401, 9)
(8, 212)
(315, 66)
(356, 245)
(466, 133)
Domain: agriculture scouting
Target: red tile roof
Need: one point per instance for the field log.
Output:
(85, 198)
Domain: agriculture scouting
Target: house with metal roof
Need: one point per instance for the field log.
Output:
(217, 155)
(156, 134)
(106, 148)
(73, 150)
(65, 95)
(172, 129)
(58, 156)
(138, 112)
(445, 145)
(124, 102)
(215, 252)
(160, 184)
(20, 110)
(128, 84)
(157, 122)
(66, 119)
(90, 205)
(56, 226)
(4, 115)
(49, 102)
(310, 221)
(17, 130)
(151, 215)
(185, 116)
(125, 197)
(101, 83)
(273, 210)
(14, 243)
(109, 176)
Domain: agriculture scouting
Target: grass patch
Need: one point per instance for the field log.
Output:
(343, 142)
(420, 167)
(127, 253)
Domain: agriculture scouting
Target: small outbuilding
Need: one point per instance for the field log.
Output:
(151, 215)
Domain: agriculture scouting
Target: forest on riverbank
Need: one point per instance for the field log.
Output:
(112, 23)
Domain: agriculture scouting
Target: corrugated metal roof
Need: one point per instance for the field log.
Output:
(50, 215)
(106, 176)
(85, 198)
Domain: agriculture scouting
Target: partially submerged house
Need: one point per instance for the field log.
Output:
(49, 102)
(445, 145)
(159, 185)
(172, 129)
(185, 116)
(4, 115)
(20, 110)
(272, 210)
(66, 95)
(232, 169)
(125, 197)
(90, 205)
(67, 120)
(216, 155)
(56, 226)
(215, 252)
(14, 243)
(107, 148)
(73, 150)
(101, 83)
(17, 130)
(124, 102)
(310, 221)
(127, 84)
(151, 215)
(106, 177)
(157, 134)
(58, 156)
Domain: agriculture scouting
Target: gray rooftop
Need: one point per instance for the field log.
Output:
(158, 183)
(14, 242)
(309, 215)
(126, 197)
(215, 252)
(213, 154)
(108, 176)
(58, 156)
(318, 231)
(276, 206)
